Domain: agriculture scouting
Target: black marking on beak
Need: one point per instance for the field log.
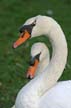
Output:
(27, 27)
(32, 61)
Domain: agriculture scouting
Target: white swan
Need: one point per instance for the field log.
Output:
(44, 91)
(42, 56)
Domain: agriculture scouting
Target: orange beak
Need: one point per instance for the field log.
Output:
(32, 69)
(22, 39)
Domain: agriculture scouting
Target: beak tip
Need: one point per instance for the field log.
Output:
(29, 77)
(14, 46)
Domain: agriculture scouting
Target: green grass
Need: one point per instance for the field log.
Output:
(14, 62)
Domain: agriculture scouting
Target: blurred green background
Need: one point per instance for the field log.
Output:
(14, 62)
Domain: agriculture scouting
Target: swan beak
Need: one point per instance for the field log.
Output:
(23, 37)
(32, 69)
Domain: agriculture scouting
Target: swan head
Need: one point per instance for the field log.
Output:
(33, 27)
(39, 51)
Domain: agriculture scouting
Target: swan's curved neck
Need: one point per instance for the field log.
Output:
(56, 66)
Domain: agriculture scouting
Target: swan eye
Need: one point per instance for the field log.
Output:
(34, 23)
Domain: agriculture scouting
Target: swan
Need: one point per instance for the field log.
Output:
(39, 58)
(44, 91)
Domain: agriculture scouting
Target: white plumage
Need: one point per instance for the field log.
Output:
(44, 91)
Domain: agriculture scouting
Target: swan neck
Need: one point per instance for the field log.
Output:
(58, 61)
